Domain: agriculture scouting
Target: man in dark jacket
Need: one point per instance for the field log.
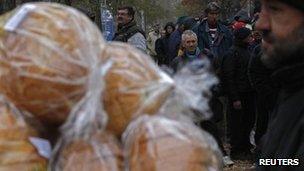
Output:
(213, 35)
(161, 45)
(175, 38)
(282, 24)
(240, 93)
(127, 29)
(191, 53)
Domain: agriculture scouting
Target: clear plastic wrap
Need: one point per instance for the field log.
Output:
(170, 141)
(17, 152)
(134, 85)
(46, 53)
(84, 145)
(156, 143)
(190, 98)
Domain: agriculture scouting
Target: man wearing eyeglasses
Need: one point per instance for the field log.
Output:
(127, 29)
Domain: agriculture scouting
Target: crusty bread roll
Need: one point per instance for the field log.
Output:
(134, 86)
(16, 151)
(46, 51)
(159, 144)
(101, 153)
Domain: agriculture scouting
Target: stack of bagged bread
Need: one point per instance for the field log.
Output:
(46, 54)
(50, 59)
(16, 151)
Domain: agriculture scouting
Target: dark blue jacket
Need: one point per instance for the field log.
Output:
(222, 44)
(174, 44)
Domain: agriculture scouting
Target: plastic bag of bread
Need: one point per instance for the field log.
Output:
(192, 92)
(134, 85)
(156, 143)
(18, 142)
(84, 145)
(170, 141)
(46, 52)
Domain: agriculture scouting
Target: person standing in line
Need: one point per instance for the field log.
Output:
(189, 54)
(282, 25)
(161, 45)
(241, 101)
(127, 29)
(153, 35)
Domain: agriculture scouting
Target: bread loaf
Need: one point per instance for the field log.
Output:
(134, 86)
(46, 51)
(16, 151)
(159, 144)
(101, 153)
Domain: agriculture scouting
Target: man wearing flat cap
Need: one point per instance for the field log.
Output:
(282, 24)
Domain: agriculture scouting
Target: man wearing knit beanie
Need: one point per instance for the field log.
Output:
(282, 24)
(299, 4)
(240, 94)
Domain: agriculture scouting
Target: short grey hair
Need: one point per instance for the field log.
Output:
(189, 33)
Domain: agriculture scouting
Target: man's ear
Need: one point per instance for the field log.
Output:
(182, 45)
(182, 27)
(131, 18)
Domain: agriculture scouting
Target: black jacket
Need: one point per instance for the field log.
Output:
(260, 79)
(180, 61)
(161, 48)
(234, 71)
(285, 135)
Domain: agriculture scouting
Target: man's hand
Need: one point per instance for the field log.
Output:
(237, 105)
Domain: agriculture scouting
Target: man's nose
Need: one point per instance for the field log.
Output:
(264, 20)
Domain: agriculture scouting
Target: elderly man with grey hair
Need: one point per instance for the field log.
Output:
(189, 52)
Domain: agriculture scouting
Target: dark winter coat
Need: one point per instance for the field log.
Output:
(234, 71)
(222, 44)
(161, 48)
(174, 44)
(260, 78)
(181, 61)
(285, 134)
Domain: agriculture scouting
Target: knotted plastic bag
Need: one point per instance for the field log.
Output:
(192, 92)
(84, 145)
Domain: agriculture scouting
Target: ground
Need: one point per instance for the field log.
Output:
(240, 166)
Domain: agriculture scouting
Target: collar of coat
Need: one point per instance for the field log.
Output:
(126, 27)
(290, 77)
(220, 27)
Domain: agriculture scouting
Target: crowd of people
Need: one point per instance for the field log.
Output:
(261, 84)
